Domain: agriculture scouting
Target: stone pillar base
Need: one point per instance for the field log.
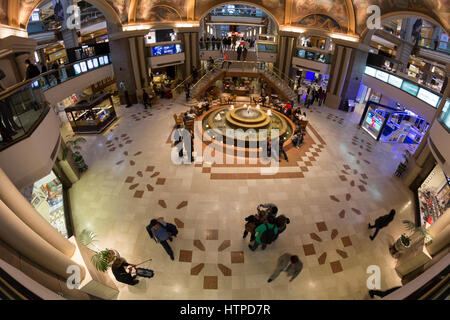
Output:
(95, 283)
(332, 101)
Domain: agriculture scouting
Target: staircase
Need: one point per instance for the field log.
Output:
(210, 77)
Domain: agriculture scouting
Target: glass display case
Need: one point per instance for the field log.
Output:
(92, 115)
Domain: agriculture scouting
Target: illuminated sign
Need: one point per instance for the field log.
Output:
(410, 88)
(169, 49)
(373, 123)
(395, 81)
(83, 66)
(370, 71)
(428, 97)
(381, 75)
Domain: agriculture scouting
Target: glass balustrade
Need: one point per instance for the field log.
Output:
(23, 106)
(436, 45)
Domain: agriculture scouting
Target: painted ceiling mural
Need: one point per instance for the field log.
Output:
(304, 12)
(440, 9)
(336, 9)
(275, 7)
(320, 21)
(4, 11)
(121, 7)
(161, 10)
(26, 7)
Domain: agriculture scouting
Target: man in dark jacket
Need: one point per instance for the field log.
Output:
(382, 222)
(239, 52)
(121, 274)
(32, 70)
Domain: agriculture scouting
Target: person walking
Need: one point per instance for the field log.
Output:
(159, 231)
(225, 60)
(244, 54)
(288, 263)
(382, 222)
(382, 294)
(299, 95)
(265, 234)
(239, 52)
(281, 150)
(121, 274)
(32, 70)
(146, 99)
(187, 89)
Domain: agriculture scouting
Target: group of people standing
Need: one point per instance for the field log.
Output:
(312, 95)
(264, 228)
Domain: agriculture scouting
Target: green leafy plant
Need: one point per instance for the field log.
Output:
(421, 231)
(101, 259)
(405, 240)
(74, 146)
(87, 237)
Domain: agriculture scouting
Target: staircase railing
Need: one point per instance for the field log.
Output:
(216, 67)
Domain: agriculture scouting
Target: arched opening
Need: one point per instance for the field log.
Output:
(231, 25)
(239, 3)
(103, 6)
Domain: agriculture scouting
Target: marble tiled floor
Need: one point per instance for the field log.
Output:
(131, 180)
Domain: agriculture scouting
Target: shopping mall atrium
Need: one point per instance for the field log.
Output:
(224, 150)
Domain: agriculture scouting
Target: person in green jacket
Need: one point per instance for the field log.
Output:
(265, 234)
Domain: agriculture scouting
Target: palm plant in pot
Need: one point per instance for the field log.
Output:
(74, 147)
(102, 259)
(405, 241)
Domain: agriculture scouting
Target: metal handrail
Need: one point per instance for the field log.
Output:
(284, 74)
(16, 87)
(215, 67)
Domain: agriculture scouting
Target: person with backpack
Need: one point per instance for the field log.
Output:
(281, 222)
(161, 231)
(265, 234)
(252, 223)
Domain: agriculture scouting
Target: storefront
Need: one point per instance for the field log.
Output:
(434, 196)
(49, 198)
(395, 125)
(93, 115)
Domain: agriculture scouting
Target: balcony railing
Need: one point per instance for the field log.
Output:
(23, 106)
(436, 45)
(403, 83)
(72, 70)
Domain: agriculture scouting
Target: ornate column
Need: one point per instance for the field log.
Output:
(286, 48)
(346, 74)
(23, 239)
(189, 37)
(25, 211)
(124, 58)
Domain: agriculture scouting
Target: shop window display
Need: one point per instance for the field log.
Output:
(434, 196)
(48, 200)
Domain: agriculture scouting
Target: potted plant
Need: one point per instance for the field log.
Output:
(74, 146)
(102, 259)
(404, 241)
